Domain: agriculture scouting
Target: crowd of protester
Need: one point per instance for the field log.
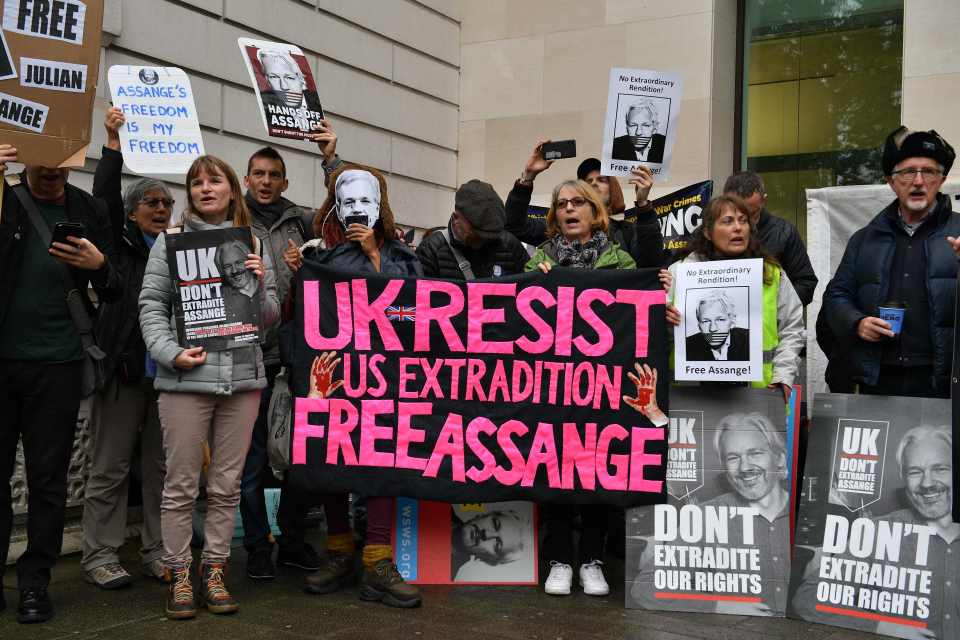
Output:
(182, 412)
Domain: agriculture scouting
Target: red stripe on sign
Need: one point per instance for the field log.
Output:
(663, 595)
(866, 615)
(859, 456)
(683, 446)
(185, 283)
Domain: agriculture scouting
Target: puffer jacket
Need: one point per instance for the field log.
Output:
(642, 238)
(862, 282)
(396, 259)
(782, 240)
(295, 223)
(612, 257)
(224, 372)
(504, 256)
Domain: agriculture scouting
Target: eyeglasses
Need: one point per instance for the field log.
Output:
(909, 175)
(154, 203)
(576, 202)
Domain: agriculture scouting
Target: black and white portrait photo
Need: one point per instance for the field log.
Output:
(718, 325)
(492, 542)
(643, 128)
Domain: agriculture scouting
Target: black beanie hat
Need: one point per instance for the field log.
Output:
(904, 143)
(588, 165)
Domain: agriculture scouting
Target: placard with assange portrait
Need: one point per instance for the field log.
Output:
(876, 546)
(286, 92)
(641, 122)
(720, 335)
(721, 544)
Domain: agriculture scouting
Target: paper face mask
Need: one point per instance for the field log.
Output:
(358, 196)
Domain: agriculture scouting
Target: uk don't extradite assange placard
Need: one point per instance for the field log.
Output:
(49, 63)
(533, 387)
(162, 132)
(876, 546)
(643, 108)
(721, 543)
(216, 302)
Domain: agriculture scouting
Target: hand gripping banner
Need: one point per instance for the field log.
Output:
(550, 388)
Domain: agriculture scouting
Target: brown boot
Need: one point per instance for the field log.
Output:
(382, 582)
(213, 591)
(180, 602)
(335, 573)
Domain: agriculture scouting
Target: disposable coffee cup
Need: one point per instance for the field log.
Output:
(893, 316)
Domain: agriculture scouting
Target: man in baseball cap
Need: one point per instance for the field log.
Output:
(890, 304)
(474, 243)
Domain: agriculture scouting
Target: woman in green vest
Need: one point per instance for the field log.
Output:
(727, 233)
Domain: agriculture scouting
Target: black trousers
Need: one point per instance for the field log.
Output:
(558, 539)
(38, 402)
(912, 382)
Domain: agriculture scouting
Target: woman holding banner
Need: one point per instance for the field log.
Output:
(356, 226)
(577, 236)
(203, 396)
(728, 233)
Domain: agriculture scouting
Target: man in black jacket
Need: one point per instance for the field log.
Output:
(475, 233)
(41, 359)
(779, 237)
(642, 238)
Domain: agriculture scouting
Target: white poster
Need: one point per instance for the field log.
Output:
(720, 335)
(281, 76)
(60, 20)
(162, 132)
(641, 122)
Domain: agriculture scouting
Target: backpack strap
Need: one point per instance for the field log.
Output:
(465, 267)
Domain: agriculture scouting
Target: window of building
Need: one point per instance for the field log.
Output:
(822, 82)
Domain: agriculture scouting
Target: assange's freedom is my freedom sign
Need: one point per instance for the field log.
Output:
(550, 388)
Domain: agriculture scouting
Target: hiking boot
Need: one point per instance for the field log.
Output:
(303, 556)
(260, 564)
(336, 573)
(109, 576)
(180, 603)
(382, 582)
(213, 591)
(35, 605)
(157, 570)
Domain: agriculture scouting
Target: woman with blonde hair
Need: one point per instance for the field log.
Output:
(203, 395)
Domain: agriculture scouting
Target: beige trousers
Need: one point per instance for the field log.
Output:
(187, 420)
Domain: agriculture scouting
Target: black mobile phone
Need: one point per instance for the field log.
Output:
(358, 219)
(63, 229)
(559, 149)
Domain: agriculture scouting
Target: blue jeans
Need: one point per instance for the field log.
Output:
(292, 512)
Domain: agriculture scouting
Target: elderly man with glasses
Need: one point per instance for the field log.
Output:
(902, 265)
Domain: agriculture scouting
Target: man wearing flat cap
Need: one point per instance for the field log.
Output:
(474, 244)
(904, 260)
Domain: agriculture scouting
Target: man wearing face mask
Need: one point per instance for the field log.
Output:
(718, 339)
(474, 244)
(906, 259)
(641, 142)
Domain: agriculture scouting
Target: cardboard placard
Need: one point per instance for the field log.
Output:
(162, 131)
(49, 61)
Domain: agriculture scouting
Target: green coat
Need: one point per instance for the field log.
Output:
(613, 257)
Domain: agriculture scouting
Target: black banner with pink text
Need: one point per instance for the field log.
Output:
(550, 388)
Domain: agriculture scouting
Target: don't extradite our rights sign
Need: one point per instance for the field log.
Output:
(527, 387)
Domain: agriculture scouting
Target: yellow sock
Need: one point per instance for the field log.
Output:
(374, 553)
(341, 543)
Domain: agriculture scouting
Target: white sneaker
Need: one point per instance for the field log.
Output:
(560, 578)
(591, 577)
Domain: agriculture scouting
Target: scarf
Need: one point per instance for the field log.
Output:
(579, 255)
(267, 213)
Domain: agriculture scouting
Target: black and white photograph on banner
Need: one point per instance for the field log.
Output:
(641, 121)
(217, 299)
(283, 81)
(720, 332)
(721, 544)
(493, 542)
(876, 546)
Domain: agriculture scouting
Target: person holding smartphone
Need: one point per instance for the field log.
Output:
(42, 357)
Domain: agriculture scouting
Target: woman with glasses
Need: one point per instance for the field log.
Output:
(577, 237)
(125, 411)
(212, 397)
